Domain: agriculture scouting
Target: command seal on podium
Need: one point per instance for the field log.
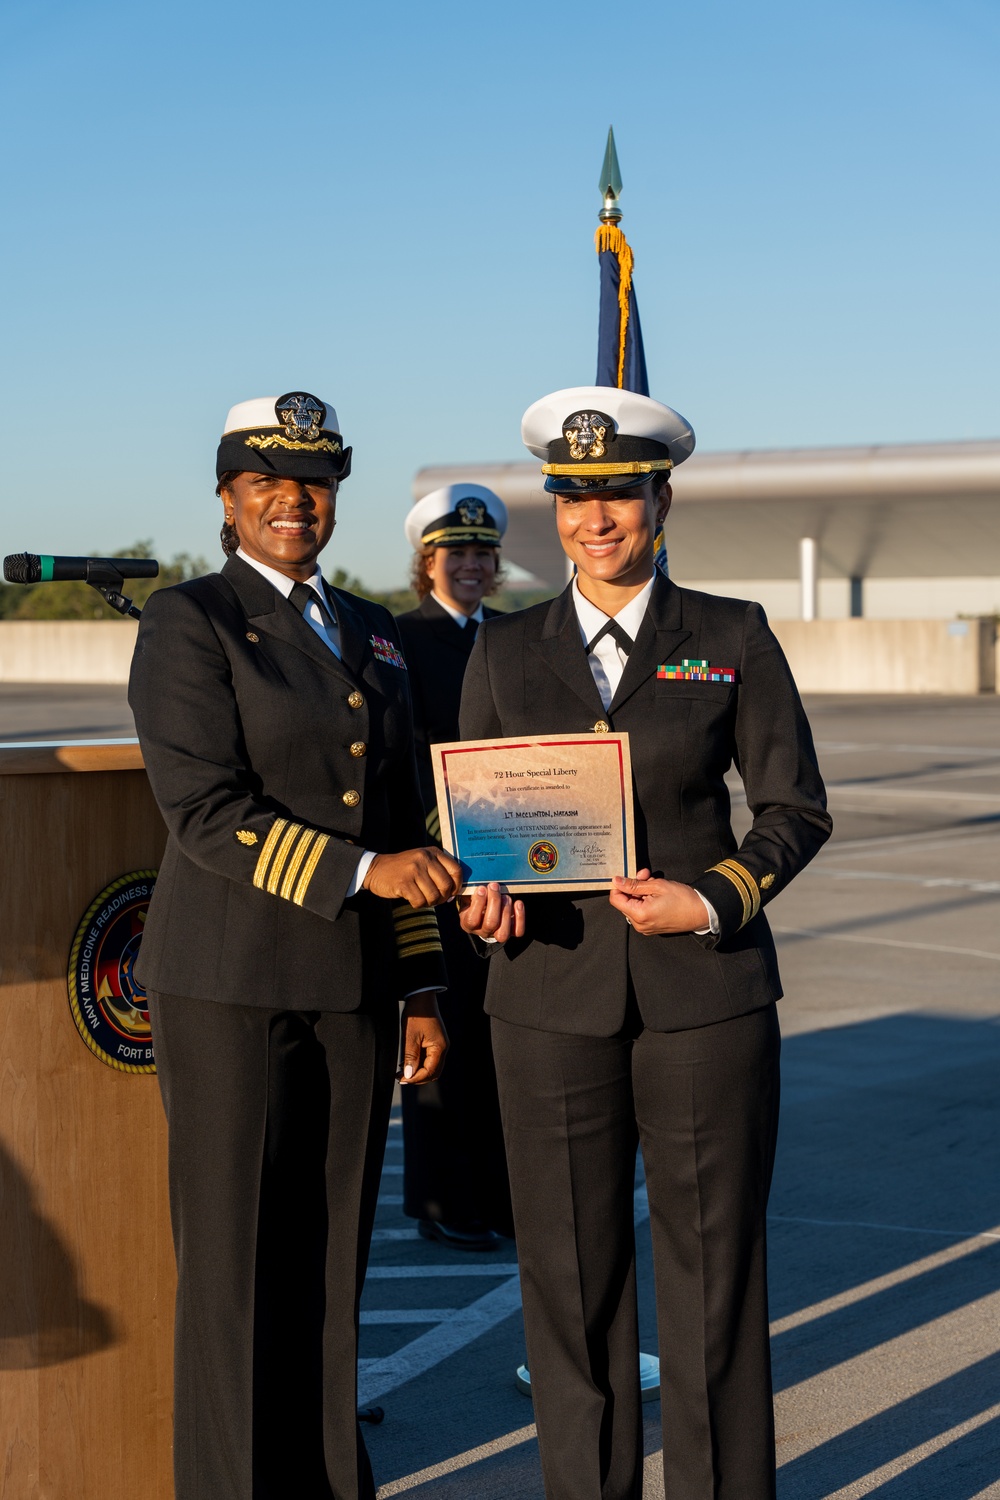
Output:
(107, 1001)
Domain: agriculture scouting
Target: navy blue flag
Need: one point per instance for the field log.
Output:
(621, 360)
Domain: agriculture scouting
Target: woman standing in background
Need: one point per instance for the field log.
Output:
(455, 1173)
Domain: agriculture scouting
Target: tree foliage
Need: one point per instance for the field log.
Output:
(78, 601)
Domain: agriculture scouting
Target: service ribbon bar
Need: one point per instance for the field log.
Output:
(694, 671)
(385, 651)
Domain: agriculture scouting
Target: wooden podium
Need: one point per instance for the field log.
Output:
(86, 1261)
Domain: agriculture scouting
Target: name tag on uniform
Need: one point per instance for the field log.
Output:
(694, 671)
(385, 651)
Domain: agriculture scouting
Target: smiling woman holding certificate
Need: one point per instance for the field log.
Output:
(641, 1012)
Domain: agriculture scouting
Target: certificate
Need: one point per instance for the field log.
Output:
(549, 812)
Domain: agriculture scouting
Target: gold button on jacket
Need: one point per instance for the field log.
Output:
(351, 799)
(356, 700)
(601, 727)
(358, 749)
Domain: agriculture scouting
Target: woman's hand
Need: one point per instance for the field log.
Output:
(423, 1040)
(423, 877)
(656, 906)
(489, 912)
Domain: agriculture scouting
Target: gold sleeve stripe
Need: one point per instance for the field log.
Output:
(735, 880)
(752, 887)
(306, 836)
(309, 869)
(278, 863)
(277, 829)
(433, 824)
(417, 919)
(416, 932)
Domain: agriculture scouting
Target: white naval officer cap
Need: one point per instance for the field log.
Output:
(596, 437)
(296, 435)
(455, 516)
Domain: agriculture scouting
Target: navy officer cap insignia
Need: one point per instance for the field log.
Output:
(595, 437)
(301, 415)
(457, 515)
(296, 436)
(588, 433)
(471, 512)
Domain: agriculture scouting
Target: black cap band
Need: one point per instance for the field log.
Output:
(469, 522)
(268, 450)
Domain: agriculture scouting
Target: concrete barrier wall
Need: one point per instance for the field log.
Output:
(891, 656)
(66, 650)
(827, 656)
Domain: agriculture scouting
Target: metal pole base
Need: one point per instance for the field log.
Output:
(649, 1378)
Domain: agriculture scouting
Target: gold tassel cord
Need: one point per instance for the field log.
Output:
(610, 237)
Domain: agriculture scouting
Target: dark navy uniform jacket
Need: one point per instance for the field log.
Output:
(437, 651)
(529, 674)
(274, 765)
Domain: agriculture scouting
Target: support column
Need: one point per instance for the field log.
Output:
(808, 576)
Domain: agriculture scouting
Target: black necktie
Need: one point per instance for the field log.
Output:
(619, 635)
(469, 631)
(303, 594)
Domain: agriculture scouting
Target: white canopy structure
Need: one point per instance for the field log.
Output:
(902, 531)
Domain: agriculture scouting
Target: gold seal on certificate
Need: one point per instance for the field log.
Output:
(540, 812)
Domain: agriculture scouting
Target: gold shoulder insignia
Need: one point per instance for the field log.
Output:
(766, 882)
(246, 835)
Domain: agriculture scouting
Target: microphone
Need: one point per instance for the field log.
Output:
(101, 572)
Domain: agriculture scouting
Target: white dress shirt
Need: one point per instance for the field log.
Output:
(607, 663)
(329, 633)
(456, 614)
(607, 660)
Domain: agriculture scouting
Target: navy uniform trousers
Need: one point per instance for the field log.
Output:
(703, 1107)
(274, 1163)
(274, 1005)
(606, 1040)
(455, 1169)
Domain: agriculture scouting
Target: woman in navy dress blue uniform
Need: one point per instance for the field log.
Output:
(455, 1173)
(647, 1017)
(291, 913)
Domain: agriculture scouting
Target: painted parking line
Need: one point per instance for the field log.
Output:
(928, 882)
(377, 1377)
(380, 1376)
(987, 752)
(843, 937)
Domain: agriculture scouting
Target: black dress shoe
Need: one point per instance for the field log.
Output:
(460, 1236)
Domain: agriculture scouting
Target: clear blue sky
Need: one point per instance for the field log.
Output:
(393, 205)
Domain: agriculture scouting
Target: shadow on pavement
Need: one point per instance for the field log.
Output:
(889, 1137)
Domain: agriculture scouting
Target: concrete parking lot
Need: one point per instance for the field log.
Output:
(885, 1214)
